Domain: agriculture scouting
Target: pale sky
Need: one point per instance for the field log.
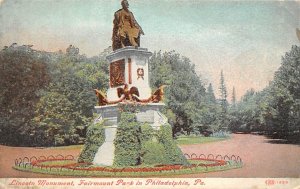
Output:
(244, 38)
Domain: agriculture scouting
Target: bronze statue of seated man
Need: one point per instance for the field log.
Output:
(126, 30)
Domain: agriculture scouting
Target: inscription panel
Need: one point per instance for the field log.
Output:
(147, 116)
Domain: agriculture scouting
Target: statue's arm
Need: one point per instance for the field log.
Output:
(136, 24)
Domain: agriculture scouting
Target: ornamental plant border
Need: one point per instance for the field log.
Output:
(212, 163)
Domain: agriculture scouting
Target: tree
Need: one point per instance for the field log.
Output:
(23, 75)
(66, 107)
(57, 119)
(276, 109)
(245, 116)
(210, 94)
(283, 111)
(47, 98)
(223, 93)
(233, 98)
(208, 115)
(72, 51)
(223, 117)
(184, 94)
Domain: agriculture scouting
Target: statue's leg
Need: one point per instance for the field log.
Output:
(122, 41)
(132, 41)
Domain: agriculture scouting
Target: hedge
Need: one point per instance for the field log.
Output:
(138, 143)
(127, 142)
(173, 153)
(95, 137)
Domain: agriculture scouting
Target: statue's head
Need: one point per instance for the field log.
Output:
(125, 4)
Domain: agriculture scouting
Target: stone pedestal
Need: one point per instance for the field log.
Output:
(129, 66)
(147, 113)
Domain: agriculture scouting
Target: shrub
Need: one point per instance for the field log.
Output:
(127, 141)
(95, 137)
(147, 132)
(137, 143)
(173, 153)
(153, 153)
(221, 134)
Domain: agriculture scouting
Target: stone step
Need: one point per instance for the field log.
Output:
(106, 153)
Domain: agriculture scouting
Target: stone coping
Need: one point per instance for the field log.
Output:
(141, 104)
(128, 51)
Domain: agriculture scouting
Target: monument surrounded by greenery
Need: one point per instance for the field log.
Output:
(130, 129)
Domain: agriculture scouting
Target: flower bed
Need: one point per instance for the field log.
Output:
(63, 166)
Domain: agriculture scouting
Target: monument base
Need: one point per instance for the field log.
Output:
(146, 113)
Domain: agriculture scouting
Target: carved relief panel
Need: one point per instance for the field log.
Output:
(117, 73)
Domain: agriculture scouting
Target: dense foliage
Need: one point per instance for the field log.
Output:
(128, 141)
(173, 154)
(282, 114)
(47, 98)
(23, 75)
(274, 111)
(95, 137)
(185, 95)
(139, 144)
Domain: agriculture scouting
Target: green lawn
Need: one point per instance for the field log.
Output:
(184, 140)
(72, 147)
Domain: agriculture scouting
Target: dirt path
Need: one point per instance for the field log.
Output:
(261, 158)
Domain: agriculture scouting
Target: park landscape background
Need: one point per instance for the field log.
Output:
(54, 96)
(47, 100)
